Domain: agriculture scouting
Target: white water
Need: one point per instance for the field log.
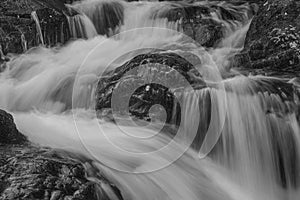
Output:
(38, 88)
(38, 27)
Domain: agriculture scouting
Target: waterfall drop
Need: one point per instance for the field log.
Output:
(244, 130)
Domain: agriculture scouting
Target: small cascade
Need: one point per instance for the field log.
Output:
(107, 16)
(82, 27)
(111, 17)
(38, 27)
(255, 125)
(243, 131)
(142, 14)
(24, 43)
(260, 136)
(2, 56)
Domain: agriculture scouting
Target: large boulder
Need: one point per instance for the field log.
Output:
(147, 80)
(272, 44)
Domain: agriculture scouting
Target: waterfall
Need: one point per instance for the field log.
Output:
(38, 27)
(24, 42)
(238, 137)
(106, 16)
(256, 141)
(82, 27)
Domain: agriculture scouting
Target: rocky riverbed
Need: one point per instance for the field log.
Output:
(272, 48)
(31, 172)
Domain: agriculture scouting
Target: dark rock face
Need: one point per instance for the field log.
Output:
(18, 31)
(54, 25)
(32, 173)
(58, 5)
(147, 80)
(9, 134)
(16, 26)
(272, 42)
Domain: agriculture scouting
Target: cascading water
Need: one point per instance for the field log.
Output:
(24, 42)
(82, 27)
(38, 27)
(256, 157)
(105, 15)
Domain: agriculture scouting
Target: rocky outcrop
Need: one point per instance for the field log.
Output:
(54, 27)
(279, 101)
(29, 172)
(147, 80)
(206, 23)
(33, 173)
(9, 134)
(18, 31)
(16, 26)
(58, 5)
(272, 44)
(197, 23)
(153, 78)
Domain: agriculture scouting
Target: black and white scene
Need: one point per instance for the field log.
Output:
(149, 100)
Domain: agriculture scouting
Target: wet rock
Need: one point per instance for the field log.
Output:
(197, 23)
(17, 34)
(8, 131)
(34, 173)
(272, 42)
(18, 31)
(147, 80)
(55, 195)
(205, 23)
(29, 172)
(58, 5)
(54, 25)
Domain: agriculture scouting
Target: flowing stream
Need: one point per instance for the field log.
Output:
(251, 150)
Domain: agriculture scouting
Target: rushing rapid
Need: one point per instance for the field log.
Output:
(255, 156)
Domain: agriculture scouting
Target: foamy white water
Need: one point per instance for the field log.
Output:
(38, 87)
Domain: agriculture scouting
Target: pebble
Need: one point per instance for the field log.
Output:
(55, 195)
